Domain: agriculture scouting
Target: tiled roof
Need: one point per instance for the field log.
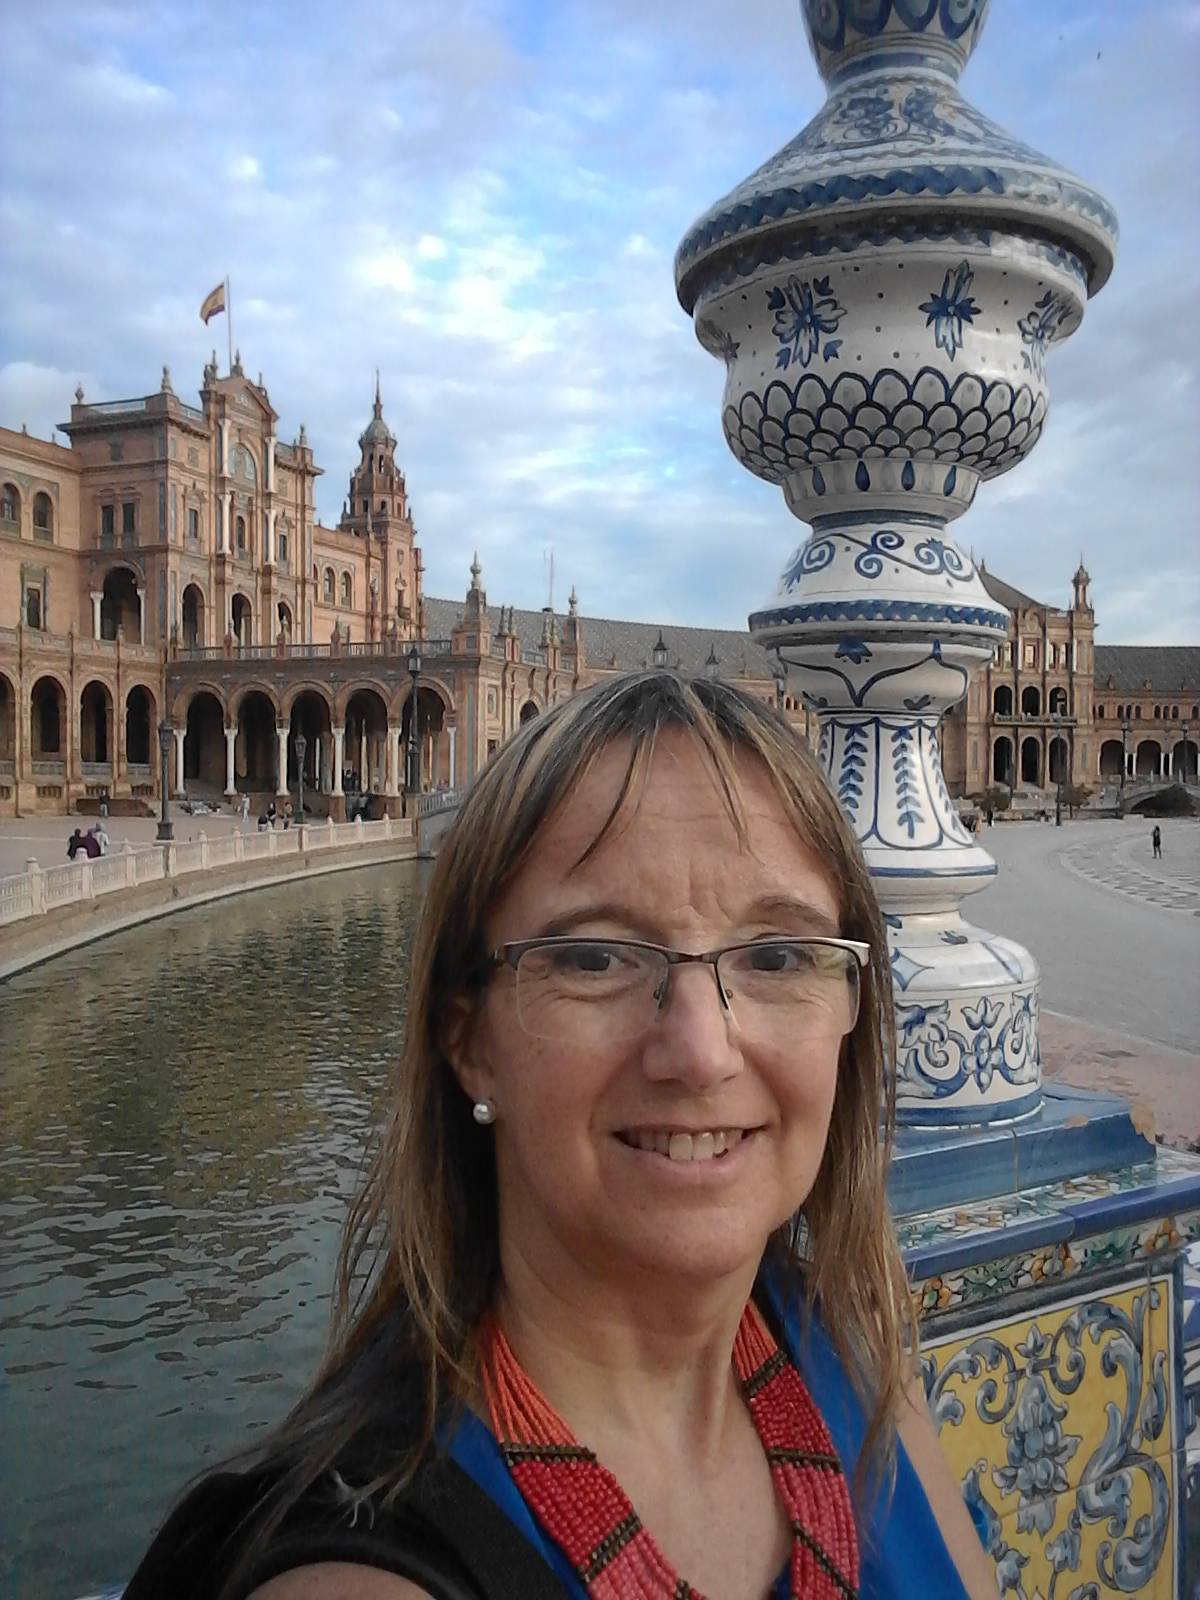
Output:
(1012, 599)
(630, 643)
(1167, 668)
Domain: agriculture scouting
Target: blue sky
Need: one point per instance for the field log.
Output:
(483, 199)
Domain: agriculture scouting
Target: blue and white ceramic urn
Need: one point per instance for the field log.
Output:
(884, 293)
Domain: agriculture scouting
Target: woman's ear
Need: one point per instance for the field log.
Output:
(464, 1046)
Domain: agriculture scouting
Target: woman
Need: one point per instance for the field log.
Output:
(626, 1241)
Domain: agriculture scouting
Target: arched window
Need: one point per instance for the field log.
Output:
(43, 516)
(1174, 713)
(10, 503)
(241, 533)
(347, 589)
(1002, 700)
(1058, 702)
(330, 594)
(1099, 713)
(1031, 701)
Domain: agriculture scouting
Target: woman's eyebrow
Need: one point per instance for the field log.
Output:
(801, 914)
(785, 907)
(603, 911)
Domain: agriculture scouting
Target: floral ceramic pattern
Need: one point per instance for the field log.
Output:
(941, 1045)
(949, 311)
(1060, 1427)
(805, 315)
(1039, 327)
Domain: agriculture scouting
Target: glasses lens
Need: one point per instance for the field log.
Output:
(587, 991)
(792, 989)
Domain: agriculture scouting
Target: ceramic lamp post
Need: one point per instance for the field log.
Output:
(883, 293)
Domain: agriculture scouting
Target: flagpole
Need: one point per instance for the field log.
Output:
(229, 322)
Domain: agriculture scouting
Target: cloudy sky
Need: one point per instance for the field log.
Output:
(482, 198)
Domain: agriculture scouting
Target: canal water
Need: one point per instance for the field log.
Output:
(185, 1112)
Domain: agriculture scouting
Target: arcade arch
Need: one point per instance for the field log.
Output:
(1184, 760)
(193, 617)
(1111, 759)
(204, 741)
(1031, 701)
(1031, 761)
(1002, 762)
(139, 726)
(1058, 702)
(1002, 700)
(1147, 762)
(528, 711)
(241, 620)
(8, 720)
(365, 745)
(95, 724)
(120, 608)
(255, 748)
(311, 715)
(47, 719)
(1059, 766)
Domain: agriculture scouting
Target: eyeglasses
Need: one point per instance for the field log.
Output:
(591, 991)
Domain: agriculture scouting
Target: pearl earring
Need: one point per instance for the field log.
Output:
(484, 1112)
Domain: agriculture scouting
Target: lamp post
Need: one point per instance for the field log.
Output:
(712, 666)
(301, 744)
(1125, 725)
(166, 741)
(1183, 750)
(659, 653)
(413, 782)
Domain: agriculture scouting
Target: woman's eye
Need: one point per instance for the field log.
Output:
(778, 958)
(586, 958)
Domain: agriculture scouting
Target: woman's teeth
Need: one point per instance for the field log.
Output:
(686, 1146)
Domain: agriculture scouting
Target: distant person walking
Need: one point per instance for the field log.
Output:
(1156, 841)
(245, 807)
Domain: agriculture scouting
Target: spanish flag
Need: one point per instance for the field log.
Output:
(213, 303)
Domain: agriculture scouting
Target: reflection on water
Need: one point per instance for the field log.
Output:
(186, 1108)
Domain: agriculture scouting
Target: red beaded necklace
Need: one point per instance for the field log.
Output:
(585, 1511)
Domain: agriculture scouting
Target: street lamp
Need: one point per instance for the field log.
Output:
(301, 744)
(712, 666)
(659, 652)
(1125, 727)
(166, 741)
(1184, 728)
(414, 747)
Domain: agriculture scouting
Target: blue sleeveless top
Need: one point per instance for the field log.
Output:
(902, 1549)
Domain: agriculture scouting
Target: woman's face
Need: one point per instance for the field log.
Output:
(575, 1183)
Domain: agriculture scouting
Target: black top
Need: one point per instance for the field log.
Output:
(445, 1534)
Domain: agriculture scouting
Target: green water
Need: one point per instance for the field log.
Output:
(185, 1109)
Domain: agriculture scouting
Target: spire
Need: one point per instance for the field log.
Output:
(476, 572)
(573, 602)
(165, 386)
(378, 396)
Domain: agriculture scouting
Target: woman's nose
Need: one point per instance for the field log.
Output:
(693, 1037)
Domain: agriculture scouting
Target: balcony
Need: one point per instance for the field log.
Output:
(1034, 719)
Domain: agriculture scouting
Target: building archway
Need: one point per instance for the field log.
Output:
(431, 731)
(139, 726)
(1058, 702)
(1148, 761)
(1184, 759)
(47, 720)
(528, 711)
(1112, 760)
(95, 725)
(1059, 766)
(8, 723)
(255, 750)
(1031, 701)
(365, 744)
(193, 617)
(1031, 763)
(119, 606)
(310, 716)
(204, 742)
(1002, 762)
(284, 614)
(1002, 700)
(242, 621)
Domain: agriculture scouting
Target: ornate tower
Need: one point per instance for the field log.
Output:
(883, 293)
(377, 510)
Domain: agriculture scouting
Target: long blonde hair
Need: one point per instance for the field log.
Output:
(419, 1258)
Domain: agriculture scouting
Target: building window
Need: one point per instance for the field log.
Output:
(347, 589)
(193, 525)
(33, 608)
(1174, 713)
(240, 526)
(43, 517)
(128, 517)
(329, 582)
(383, 505)
(1030, 659)
(491, 702)
(1099, 713)
(107, 521)
(282, 551)
(10, 503)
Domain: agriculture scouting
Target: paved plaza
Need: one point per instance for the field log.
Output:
(45, 838)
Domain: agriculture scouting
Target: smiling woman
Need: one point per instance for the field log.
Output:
(625, 1241)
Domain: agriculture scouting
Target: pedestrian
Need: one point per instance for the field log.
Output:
(104, 804)
(1156, 841)
(271, 815)
(75, 844)
(287, 815)
(100, 834)
(991, 815)
(92, 845)
(245, 808)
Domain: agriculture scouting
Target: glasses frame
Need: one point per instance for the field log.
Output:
(509, 955)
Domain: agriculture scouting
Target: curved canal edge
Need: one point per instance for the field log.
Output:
(32, 941)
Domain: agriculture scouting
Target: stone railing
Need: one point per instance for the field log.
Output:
(429, 805)
(38, 890)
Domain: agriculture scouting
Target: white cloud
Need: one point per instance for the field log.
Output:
(245, 168)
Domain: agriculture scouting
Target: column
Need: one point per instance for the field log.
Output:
(364, 762)
(141, 599)
(97, 601)
(269, 553)
(180, 736)
(227, 529)
(880, 377)
(339, 737)
(270, 465)
(393, 759)
(452, 730)
(281, 758)
(230, 775)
